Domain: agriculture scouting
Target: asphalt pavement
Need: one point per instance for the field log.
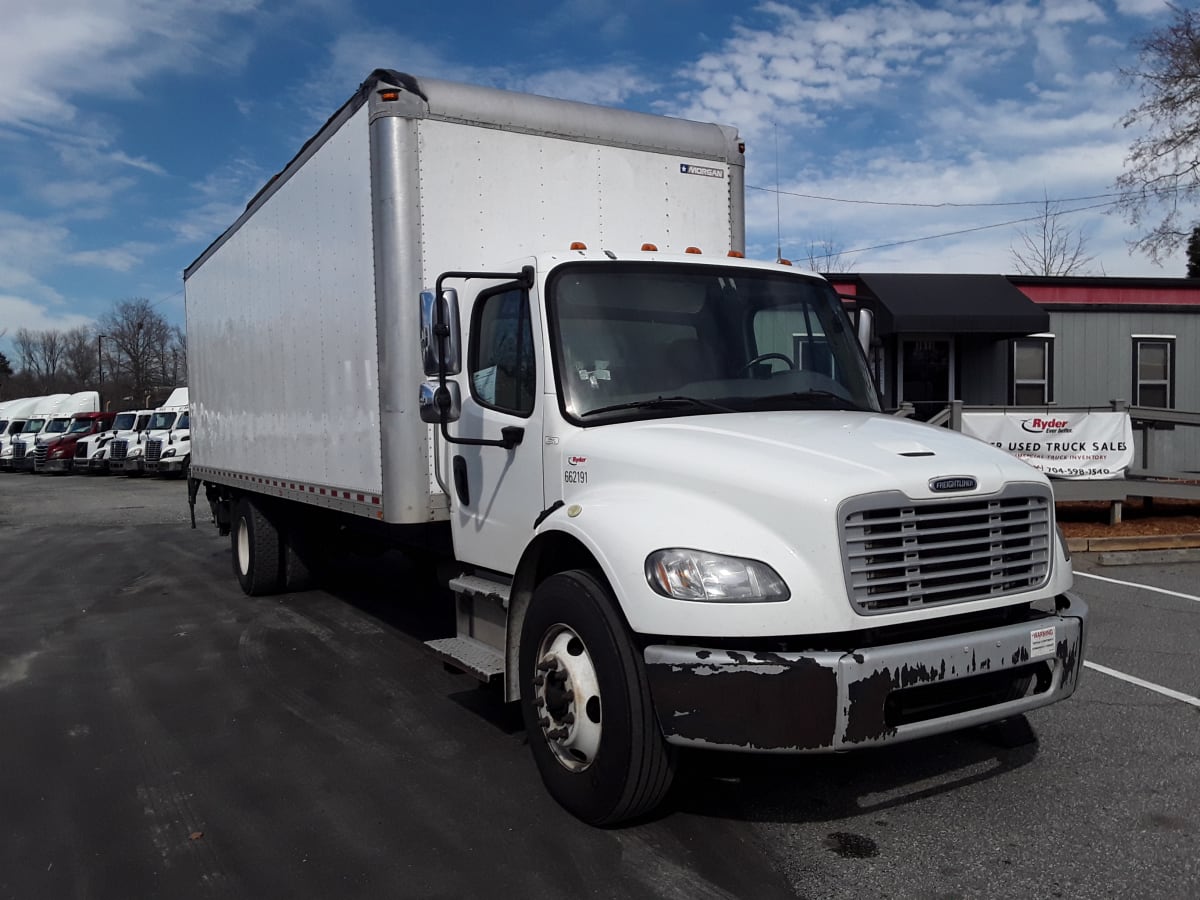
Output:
(166, 736)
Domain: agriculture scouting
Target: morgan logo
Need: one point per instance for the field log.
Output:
(576, 460)
(953, 483)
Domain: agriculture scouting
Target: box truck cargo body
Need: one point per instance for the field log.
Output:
(679, 515)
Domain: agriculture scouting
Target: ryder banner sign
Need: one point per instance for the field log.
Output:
(1059, 444)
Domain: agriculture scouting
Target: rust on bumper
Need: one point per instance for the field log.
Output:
(833, 701)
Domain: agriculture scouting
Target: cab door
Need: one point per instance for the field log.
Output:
(497, 492)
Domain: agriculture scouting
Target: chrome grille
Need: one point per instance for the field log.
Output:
(906, 554)
(40, 452)
(18, 449)
(119, 449)
(153, 450)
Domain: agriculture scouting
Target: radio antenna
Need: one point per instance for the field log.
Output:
(778, 219)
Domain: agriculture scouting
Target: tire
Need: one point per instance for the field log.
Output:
(256, 551)
(586, 704)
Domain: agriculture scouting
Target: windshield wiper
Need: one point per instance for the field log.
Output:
(659, 403)
(841, 401)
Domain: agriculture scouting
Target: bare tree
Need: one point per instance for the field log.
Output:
(41, 356)
(138, 333)
(79, 356)
(1162, 172)
(1050, 247)
(827, 255)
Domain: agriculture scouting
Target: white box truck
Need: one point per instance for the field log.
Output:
(680, 517)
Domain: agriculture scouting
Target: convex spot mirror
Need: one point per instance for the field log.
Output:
(441, 342)
(440, 403)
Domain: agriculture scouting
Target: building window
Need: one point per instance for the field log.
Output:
(1154, 370)
(1033, 371)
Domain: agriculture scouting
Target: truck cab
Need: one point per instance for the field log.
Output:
(58, 454)
(56, 428)
(20, 452)
(168, 437)
(91, 452)
(12, 423)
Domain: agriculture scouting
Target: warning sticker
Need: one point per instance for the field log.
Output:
(1041, 642)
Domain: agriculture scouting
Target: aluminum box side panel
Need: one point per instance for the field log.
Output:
(283, 363)
(491, 195)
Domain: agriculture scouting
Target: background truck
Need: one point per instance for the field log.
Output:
(168, 437)
(679, 516)
(128, 452)
(57, 454)
(91, 452)
(38, 417)
(12, 422)
(53, 429)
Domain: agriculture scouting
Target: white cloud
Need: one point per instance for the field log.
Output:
(54, 56)
(20, 312)
(1146, 8)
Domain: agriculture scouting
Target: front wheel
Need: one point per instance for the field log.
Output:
(586, 704)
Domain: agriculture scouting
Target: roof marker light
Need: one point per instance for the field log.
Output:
(578, 245)
(692, 250)
(389, 94)
(736, 254)
(784, 262)
(650, 247)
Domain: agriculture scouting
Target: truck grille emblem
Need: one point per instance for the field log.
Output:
(953, 483)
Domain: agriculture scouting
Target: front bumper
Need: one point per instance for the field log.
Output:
(125, 466)
(832, 701)
(56, 465)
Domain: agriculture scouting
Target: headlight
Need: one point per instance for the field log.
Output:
(134, 451)
(170, 452)
(711, 577)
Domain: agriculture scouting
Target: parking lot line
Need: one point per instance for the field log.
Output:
(1149, 685)
(1134, 584)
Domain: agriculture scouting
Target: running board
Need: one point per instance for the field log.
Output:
(471, 656)
(481, 612)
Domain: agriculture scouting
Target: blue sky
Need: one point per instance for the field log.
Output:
(132, 132)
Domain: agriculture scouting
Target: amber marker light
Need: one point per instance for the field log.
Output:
(389, 94)
(649, 247)
(578, 245)
(784, 262)
(692, 250)
(736, 254)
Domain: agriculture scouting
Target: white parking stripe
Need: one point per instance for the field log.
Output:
(1158, 688)
(1134, 584)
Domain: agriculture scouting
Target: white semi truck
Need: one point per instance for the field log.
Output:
(18, 455)
(680, 517)
(13, 415)
(91, 453)
(168, 437)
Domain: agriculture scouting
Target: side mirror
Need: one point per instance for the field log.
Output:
(866, 329)
(441, 342)
(439, 403)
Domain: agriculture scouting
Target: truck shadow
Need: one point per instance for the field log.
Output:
(792, 789)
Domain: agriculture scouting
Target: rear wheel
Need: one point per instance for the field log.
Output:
(256, 549)
(586, 704)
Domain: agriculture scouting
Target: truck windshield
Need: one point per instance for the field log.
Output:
(124, 422)
(33, 426)
(57, 426)
(161, 421)
(80, 426)
(649, 339)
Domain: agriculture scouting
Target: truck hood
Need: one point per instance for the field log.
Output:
(824, 454)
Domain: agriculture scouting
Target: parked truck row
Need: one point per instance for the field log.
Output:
(64, 433)
(484, 320)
